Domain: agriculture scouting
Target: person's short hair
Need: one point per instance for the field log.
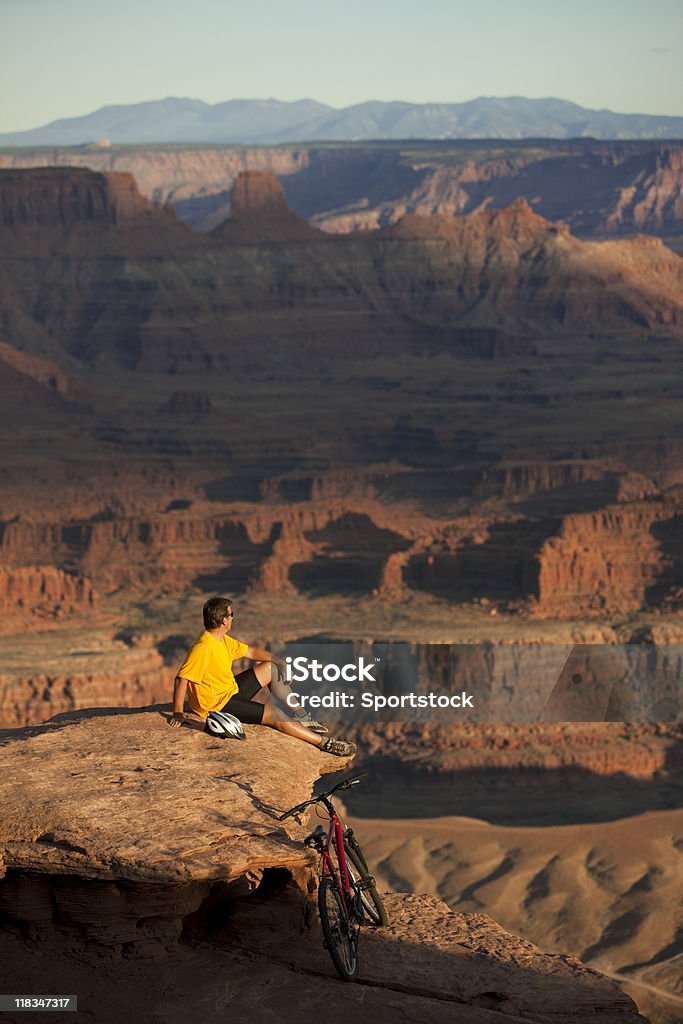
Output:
(215, 610)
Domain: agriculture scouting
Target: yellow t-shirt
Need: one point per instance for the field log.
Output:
(208, 670)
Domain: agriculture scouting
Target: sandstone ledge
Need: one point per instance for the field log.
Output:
(120, 836)
(115, 794)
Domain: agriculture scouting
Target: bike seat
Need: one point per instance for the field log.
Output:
(317, 837)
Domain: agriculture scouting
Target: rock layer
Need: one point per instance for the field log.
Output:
(434, 283)
(599, 188)
(620, 559)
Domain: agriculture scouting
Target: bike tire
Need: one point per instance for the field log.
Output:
(371, 901)
(342, 946)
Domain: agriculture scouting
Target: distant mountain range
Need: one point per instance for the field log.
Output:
(271, 121)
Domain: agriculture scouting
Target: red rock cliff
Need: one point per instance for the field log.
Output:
(62, 196)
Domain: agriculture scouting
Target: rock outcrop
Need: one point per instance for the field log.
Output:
(259, 213)
(45, 373)
(66, 196)
(43, 591)
(615, 559)
(35, 393)
(522, 252)
(156, 834)
(620, 558)
(57, 672)
(598, 188)
(198, 179)
(82, 215)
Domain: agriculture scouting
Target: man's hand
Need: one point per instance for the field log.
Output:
(179, 691)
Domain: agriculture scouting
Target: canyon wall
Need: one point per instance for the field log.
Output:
(476, 414)
(623, 558)
(598, 188)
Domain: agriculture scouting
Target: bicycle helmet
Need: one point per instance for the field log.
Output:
(224, 725)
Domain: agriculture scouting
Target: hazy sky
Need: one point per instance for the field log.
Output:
(62, 58)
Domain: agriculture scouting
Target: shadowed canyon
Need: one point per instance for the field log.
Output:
(447, 430)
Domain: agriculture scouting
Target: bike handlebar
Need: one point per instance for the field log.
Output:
(346, 784)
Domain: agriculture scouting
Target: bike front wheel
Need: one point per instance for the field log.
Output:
(341, 933)
(370, 899)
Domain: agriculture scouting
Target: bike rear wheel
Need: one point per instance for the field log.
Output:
(341, 935)
(370, 899)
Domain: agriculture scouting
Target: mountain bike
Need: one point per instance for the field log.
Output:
(347, 894)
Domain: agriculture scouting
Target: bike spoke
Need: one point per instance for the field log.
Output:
(340, 934)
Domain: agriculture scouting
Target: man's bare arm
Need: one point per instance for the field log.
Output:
(258, 654)
(179, 691)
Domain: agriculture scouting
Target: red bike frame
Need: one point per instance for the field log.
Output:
(345, 883)
(328, 866)
(322, 842)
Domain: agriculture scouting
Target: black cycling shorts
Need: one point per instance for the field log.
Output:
(240, 704)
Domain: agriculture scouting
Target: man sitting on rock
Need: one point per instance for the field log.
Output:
(207, 679)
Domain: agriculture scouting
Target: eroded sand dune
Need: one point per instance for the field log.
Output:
(610, 892)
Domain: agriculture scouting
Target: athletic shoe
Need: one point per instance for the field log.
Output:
(340, 748)
(311, 723)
